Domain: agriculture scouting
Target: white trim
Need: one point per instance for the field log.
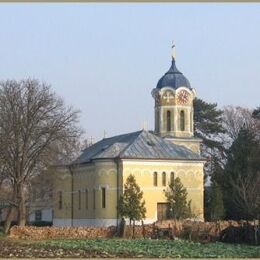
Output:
(158, 162)
(105, 162)
(191, 140)
(59, 222)
(146, 221)
(173, 106)
(62, 222)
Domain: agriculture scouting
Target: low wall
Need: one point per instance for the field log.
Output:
(43, 233)
(227, 231)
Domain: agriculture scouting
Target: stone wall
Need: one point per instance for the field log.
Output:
(233, 231)
(44, 233)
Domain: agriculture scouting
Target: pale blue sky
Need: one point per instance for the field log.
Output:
(105, 59)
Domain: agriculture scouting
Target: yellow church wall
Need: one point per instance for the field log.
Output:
(190, 173)
(104, 174)
(100, 175)
(62, 183)
(192, 144)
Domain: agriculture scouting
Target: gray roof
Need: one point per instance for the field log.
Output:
(136, 145)
(173, 78)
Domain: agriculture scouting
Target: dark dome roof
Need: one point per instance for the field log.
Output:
(173, 78)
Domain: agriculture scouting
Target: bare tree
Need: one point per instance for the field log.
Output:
(33, 121)
(247, 192)
(234, 118)
(41, 186)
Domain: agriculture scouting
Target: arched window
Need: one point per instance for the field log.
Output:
(86, 198)
(103, 197)
(79, 199)
(172, 177)
(163, 179)
(60, 200)
(182, 121)
(155, 182)
(94, 199)
(168, 121)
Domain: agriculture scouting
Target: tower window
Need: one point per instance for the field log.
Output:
(182, 121)
(168, 121)
(79, 194)
(103, 197)
(155, 182)
(163, 179)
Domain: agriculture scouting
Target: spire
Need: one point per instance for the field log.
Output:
(173, 51)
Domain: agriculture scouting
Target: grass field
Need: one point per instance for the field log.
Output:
(157, 248)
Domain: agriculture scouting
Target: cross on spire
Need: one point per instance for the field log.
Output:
(173, 50)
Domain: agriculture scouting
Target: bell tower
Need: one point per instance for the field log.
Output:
(173, 112)
(173, 108)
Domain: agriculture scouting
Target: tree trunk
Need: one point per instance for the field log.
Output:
(9, 219)
(10, 214)
(21, 206)
(143, 229)
(133, 229)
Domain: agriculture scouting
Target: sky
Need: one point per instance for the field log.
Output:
(105, 59)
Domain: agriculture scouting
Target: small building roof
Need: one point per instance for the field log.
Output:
(136, 145)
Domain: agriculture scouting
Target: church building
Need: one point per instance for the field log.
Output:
(86, 193)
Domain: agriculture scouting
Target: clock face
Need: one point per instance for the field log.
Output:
(183, 97)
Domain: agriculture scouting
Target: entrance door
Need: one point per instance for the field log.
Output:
(162, 211)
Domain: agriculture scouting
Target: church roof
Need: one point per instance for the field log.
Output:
(136, 145)
(173, 78)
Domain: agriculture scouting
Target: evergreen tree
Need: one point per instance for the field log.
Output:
(208, 123)
(208, 126)
(241, 183)
(216, 205)
(176, 196)
(131, 204)
(207, 197)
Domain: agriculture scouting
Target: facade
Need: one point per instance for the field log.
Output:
(87, 191)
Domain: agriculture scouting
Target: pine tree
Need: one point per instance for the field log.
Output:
(176, 196)
(131, 204)
(241, 177)
(208, 123)
(208, 126)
